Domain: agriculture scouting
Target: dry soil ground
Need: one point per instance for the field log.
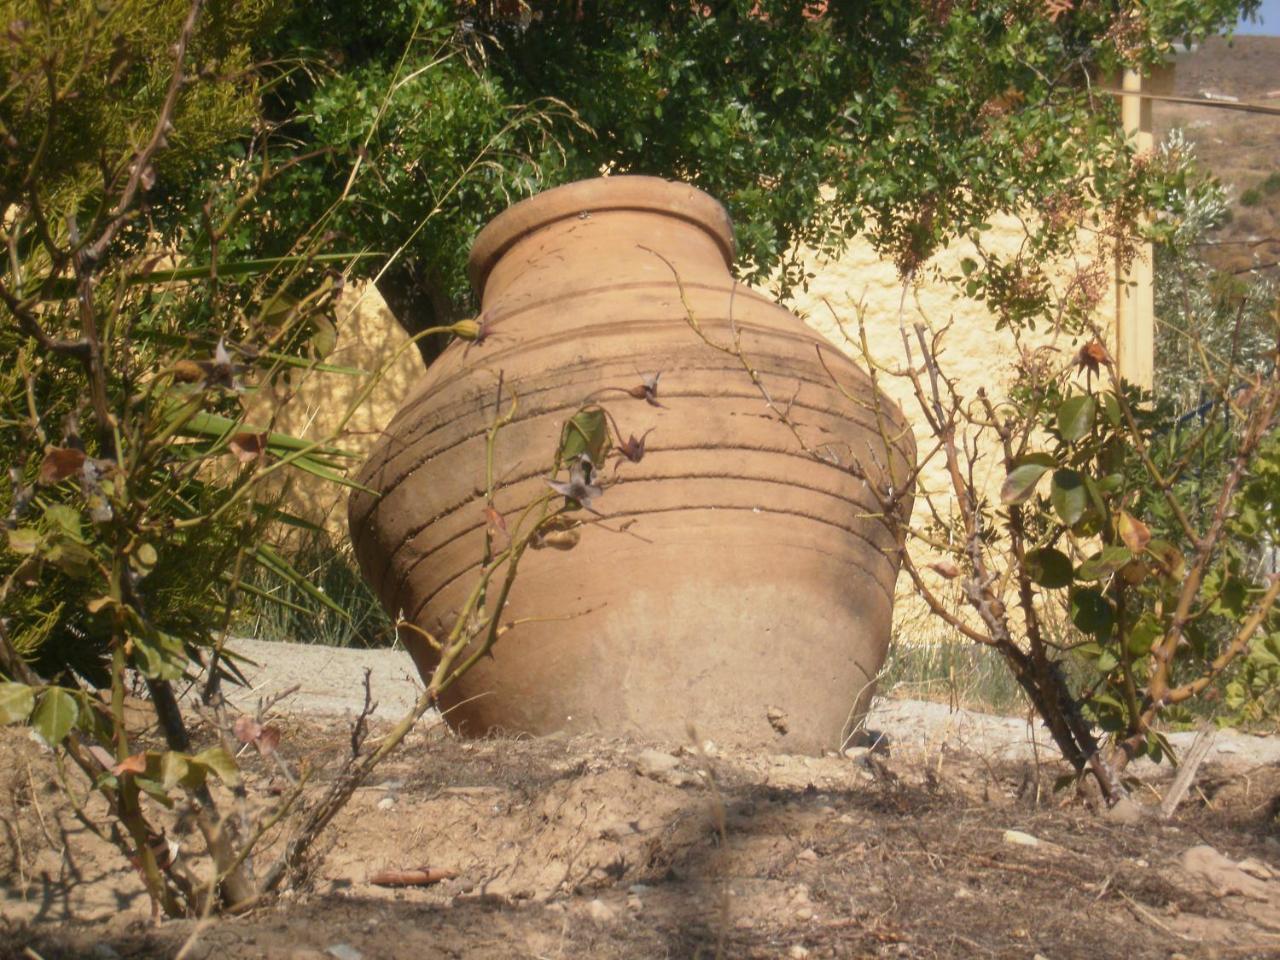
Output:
(952, 845)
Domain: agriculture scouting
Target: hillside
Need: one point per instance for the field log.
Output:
(1241, 149)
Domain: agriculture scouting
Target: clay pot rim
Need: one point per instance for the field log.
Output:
(620, 192)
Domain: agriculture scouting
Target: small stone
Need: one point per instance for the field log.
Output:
(804, 913)
(655, 763)
(662, 767)
(963, 893)
(639, 889)
(807, 855)
(635, 904)
(386, 803)
(1125, 811)
(103, 951)
(797, 952)
(1018, 838)
(1256, 868)
(777, 718)
(1223, 875)
(600, 912)
(858, 754)
(343, 951)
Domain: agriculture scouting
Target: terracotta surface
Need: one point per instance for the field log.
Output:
(760, 597)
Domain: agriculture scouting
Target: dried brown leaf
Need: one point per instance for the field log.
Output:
(945, 568)
(1092, 356)
(1135, 534)
(269, 739)
(248, 447)
(137, 763)
(60, 463)
(246, 729)
(418, 877)
(188, 371)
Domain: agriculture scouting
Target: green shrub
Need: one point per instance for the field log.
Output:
(283, 611)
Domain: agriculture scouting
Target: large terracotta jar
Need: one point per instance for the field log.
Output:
(739, 583)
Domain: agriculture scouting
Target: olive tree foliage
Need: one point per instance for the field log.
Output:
(911, 123)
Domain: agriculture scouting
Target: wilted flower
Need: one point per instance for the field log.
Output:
(581, 485)
(1092, 356)
(220, 372)
(648, 389)
(633, 448)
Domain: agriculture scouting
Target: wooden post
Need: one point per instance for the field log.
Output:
(1135, 287)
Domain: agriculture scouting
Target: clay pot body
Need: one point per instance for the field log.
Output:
(749, 593)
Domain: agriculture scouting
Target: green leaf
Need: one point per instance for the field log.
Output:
(55, 715)
(1143, 636)
(1092, 613)
(144, 559)
(174, 767)
(1163, 743)
(1021, 482)
(1104, 563)
(73, 559)
(308, 465)
(586, 432)
(159, 655)
(1076, 417)
(205, 424)
(16, 701)
(220, 762)
(155, 789)
(1049, 567)
(25, 541)
(325, 338)
(66, 520)
(1068, 496)
(1111, 409)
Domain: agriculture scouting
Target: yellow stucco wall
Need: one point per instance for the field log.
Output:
(976, 354)
(369, 340)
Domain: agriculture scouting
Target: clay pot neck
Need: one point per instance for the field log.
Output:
(598, 234)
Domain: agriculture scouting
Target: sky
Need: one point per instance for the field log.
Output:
(1269, 21)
